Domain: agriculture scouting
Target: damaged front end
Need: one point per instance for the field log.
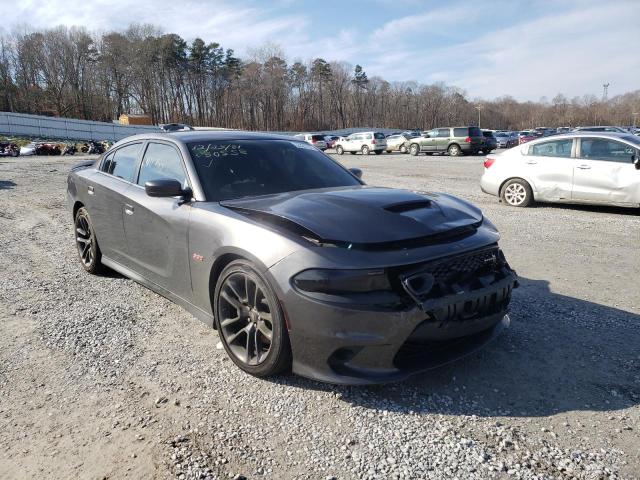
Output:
(463, 298)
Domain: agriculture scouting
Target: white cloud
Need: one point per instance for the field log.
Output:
(570, 47)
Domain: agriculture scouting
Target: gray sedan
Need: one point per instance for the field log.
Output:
(291, 257)
(593, 168)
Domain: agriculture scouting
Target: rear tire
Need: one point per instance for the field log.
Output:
(517, 193)
(340, 150)
(454, 150)
(378, 152)
(365, 150)
(87, 243)
(250, 321)
(414, 149)
(403, 149)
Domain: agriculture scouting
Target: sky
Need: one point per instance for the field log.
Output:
(526, 49)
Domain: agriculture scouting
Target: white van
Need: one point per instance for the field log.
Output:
(316, 140)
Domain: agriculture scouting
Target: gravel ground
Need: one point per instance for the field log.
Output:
(101, 378)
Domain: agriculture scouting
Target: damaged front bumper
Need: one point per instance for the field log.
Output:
(443, 318)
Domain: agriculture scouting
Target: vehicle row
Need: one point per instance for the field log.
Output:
(53, 148)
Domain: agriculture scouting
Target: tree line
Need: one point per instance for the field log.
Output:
(71, 72)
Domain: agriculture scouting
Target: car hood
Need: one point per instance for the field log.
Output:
(362, 215)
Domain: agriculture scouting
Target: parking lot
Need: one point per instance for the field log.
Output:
(101, 378)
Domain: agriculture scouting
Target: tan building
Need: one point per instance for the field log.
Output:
(135, 119)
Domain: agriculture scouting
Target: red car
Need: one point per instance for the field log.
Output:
(526, 136)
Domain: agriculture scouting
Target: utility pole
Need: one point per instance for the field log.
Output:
(605, 91)
(478, 107)
(634, 115)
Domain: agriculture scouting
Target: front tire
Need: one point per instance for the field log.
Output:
(517, 193)
(340, 150)
(250, 322)
(403, 149)
(86, 242)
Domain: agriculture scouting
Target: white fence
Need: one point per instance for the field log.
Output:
(22, 124)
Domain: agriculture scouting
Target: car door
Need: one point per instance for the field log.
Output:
(107, 194)
(156, 228)
(442, 140)
(604, 172)
(549, 167)
(429, 143)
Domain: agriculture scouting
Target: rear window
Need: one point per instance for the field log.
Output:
(474, 132)
(487, 134)
(379, 136)
(317, 137)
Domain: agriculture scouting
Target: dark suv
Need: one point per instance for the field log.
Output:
(453, 140)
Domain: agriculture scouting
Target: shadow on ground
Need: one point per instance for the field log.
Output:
(6, 184)
(560, 354)
(604, 209)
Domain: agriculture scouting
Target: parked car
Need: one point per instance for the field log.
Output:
(317, 140)
(29, 149)
(47, 148)
(452, 140)
(490, 142)
(607, 128)
(581, 167)
(175, 127)
(291, 257)
(9, 149)
(526, 136)
(506, 139)
(563, 129)
(363, 142)
(331, 140)
(397, 142)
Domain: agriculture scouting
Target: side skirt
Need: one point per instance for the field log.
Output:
(197, 312)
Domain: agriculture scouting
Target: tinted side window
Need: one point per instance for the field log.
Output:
(123, 164)
(557, 148)
(162, 161)
(379, 135)
(106, 163)
(608, 150)
(443, 132)
(460, 132)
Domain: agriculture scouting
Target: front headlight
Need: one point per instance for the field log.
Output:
(342, 281)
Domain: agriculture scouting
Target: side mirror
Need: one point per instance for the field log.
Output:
(357, 172)
(164, 187)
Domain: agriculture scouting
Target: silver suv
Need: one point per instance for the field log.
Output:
(363, 142)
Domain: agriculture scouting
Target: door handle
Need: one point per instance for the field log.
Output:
(584, 167)
(531, 162)
(90, 190)
(128, 209)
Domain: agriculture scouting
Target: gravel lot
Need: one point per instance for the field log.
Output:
(101, 378)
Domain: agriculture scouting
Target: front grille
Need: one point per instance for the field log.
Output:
(461, 287)
(451, 268)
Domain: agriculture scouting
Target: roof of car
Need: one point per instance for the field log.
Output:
(587, 134)
(204, 135)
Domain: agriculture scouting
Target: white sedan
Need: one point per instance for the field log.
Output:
(588, 167)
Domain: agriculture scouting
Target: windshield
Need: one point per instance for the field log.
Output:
(230, 169)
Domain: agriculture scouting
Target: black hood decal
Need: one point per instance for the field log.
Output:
(362, 216)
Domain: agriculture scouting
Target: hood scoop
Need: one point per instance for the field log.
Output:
(403, 207)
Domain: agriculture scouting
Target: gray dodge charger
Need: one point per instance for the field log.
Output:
(294, 260)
